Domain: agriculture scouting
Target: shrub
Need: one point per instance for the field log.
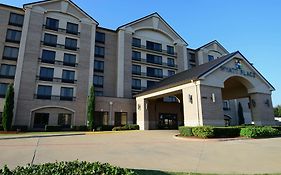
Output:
(126, 127)
(203, 131)
(50, 128)
(1, 128)
(22, 128)
(104, 128)
(277, 127)
(79, 128)
(75, 167)
(185, 131)
(226, 132)
(7, 116)
(259, 132)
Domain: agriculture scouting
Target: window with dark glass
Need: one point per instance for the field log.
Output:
(64, 120)
(100, 37)
(136, 42)
(48, 56)
(52, 24)
(136, 69)
(136, 84)
(46, 74)
(136, 55)
(154, 72)
(120, 118)
(1, 113)
(192, 57)
(98, 81)
(50, 40)
(153, 59)
(171, 72)
(13, 36)
(171, 62)
(41, 120)
(226, 105)
(66, 94)
(101, 118)
(99, 51)
(170, 99)
(44, 92)
(153, 46)
(16, 19)
(7, 71)
(71, 43)
(72, 28)
(69, 59)
(68, 76)
(99, 66)
(211, 57)
(150, 83)
(98, 93)
(170, 50)
(3, 89)
(10, 53)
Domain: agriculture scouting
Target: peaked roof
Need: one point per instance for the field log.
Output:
(192, 74)
(75, 5)
(210, 43)
(148, 16)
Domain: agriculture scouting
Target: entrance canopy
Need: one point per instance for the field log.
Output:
(201, 89)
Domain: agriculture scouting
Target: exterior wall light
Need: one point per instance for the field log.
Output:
(253, 103)
(190, 98)
(213, 97)
(267, 103)
(139, 107)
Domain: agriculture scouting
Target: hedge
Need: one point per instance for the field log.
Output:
(185, 131)
(68, 168)
(259, 132)
(50, 128)
(203, 132)
(21, 128)
(126, 127)
(104, 128)
(79, 128)
(1, 128)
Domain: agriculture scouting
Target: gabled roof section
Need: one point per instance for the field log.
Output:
(195, 74)
(149, 16)
(210, 43)
(9, 6)
(71, 2)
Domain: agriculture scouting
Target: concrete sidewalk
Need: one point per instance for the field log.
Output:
(154, 150)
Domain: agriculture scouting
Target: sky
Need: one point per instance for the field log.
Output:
(251, 26)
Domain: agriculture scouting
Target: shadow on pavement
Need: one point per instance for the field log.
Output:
(150, 172)
(41, 136)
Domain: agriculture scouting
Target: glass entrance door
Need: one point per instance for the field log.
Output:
(168, 121)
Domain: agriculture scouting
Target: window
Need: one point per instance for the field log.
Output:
(52, 24)
(48, 56)
(136, 55)
(72, 28)
(100, 37)
(99, 66)
(210, 57)
(136, 84)
(170, 50)
(98, 81)
(10, 53)
(64, 120)
(99, 51)
(136, 42)
(226, 105)
(16, 19)
(153, 46)
(71, 43)
(150, 83)
(44, 92)
(98, 93)
(153, 59)
(7, 71)
(46, 74)
(13, 36)
(68, 76)
(41, 120)
(136, 69)
(171, 62)
(100, 118)
(171, 73)
(120, 118)
(192, 57)
(170, 99)
(50, 40)
(154, 72)
(3, 89)
(66, 94)
(69, 60)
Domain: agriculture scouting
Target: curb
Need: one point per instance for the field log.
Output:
(208, 140)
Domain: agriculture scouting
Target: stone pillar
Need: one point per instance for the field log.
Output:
(142, 113)
(262, 109)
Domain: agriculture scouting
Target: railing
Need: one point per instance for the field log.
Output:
(166, 65)
(10, 58)
(61, 46)
(145, 75)
(55, 79)
(60, 30)
(7, 76)
(156, 51)
(54, 97)
(58, 62)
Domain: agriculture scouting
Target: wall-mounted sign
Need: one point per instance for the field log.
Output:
(238, 69)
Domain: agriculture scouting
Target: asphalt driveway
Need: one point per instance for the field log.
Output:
(155, 150)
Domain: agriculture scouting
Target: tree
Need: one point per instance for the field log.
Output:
(241, 119)
(7, 117)
(277, 111)
(91, 108)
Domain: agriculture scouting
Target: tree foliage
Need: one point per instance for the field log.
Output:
(91, 108)
(7, 117)
(277, 111)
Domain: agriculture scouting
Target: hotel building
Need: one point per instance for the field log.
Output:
(143, 72)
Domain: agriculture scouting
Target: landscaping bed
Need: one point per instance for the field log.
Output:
(230, 132)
